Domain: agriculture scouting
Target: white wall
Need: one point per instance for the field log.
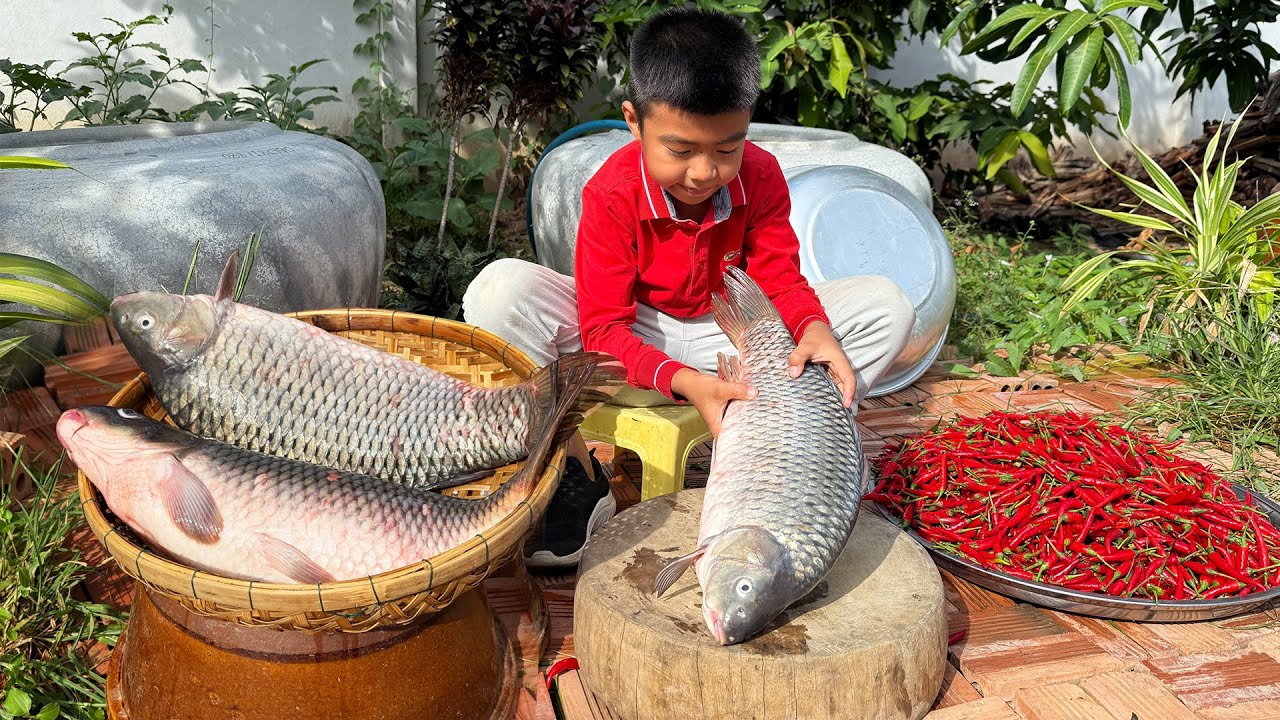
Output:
(253, 37)
(249, 39)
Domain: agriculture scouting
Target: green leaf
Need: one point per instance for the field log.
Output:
(48, 712)
(962, 15)
(841, 66)
(1029, 11)
(1169, 191)
(1039, 154)
(1030, 27)
(8, 344)
(1127, 36)
(1144, 221)
(1122, 84)
(779, 46)
(11, 264)
(919, 105)
(17, 702)
(1113, 5)
(31, 163)
(1077, 67)
(918, 13)
(1042, 58)
(1004, 152)
(1000, 367)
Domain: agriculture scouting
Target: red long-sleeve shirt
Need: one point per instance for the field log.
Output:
(632, 250)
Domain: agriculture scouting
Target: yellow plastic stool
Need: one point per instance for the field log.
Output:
(662, 436)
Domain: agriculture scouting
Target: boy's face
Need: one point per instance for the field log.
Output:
(690, 155)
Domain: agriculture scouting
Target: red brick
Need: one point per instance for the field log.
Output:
(956, 690)
(1126, 694)
(984, 709)
(1064, 701)
(1205, 681)
(1003, 668)
(1109, 635)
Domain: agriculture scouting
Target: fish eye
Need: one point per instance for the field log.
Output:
(129, 413)
(146, 321)
(744, 586)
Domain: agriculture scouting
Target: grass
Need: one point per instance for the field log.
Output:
(45, 630)
(1009, 304)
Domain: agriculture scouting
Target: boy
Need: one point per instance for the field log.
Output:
(661, 220)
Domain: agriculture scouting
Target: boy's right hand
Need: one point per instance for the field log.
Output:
(709, 394)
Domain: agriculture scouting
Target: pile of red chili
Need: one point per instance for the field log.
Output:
(1060, 498)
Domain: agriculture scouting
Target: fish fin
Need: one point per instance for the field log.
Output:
(668, 575)
(744, 304)
(565, 390)
(730, 367)
(189, 504)
(463, 478)
(230, 272)
(292, 562)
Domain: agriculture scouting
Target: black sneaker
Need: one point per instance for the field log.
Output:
(579, 507)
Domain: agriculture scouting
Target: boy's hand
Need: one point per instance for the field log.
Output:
(709, 394)
(818, 345)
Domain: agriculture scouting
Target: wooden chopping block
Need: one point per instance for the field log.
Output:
(869, 643)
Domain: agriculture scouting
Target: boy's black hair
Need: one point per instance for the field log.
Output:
(697, 61)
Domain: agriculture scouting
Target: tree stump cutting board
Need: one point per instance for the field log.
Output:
(869, 643)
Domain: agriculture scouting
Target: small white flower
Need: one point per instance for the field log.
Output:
(1123, 322)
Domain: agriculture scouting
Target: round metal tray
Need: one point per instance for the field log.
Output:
(1097, 604)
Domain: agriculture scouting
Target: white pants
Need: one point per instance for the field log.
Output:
(535, 308)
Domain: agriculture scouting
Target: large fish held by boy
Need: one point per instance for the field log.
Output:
(785, 482)
(243, 514)
(265, 382)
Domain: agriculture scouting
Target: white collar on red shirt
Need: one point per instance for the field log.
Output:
(722, 201)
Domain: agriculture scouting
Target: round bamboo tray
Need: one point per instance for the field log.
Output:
(392, 598)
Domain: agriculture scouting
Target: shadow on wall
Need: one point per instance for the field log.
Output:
(251, 38)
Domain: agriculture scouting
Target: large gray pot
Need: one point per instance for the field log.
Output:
(143, 196)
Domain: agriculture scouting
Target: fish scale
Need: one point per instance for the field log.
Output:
(276, 385)
(786, 476)
(787, 460)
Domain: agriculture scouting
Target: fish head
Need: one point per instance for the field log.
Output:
(747, 580)
(113, 447)
(164, 331)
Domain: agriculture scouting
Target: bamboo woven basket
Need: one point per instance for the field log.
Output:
(392, 598)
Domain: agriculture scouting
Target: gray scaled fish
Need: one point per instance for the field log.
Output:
(243, 514)
(786, 476)
(265, 382)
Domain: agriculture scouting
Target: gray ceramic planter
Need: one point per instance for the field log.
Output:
(145, 194)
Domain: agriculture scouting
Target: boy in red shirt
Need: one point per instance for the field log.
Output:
(661, 220)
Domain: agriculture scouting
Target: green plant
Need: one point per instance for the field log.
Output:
(126, 76)
(1219, 39)
(280, 101)
(1211, 253)
(58, 295)
(1009, 303)
(465, 34)
(46, 632)
(550, 52)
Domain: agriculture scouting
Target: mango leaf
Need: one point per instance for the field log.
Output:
(918, 13)
(962, 14)
(1030, 27)
(841, 66)
(1044, 56)
(1039, 154)
(31, 163)
(23, 265)
(1081, 58)
(1003, 153)
(1122, 84)
(1127, 36)
(995, 27)
(1113, 5)
(779, 46)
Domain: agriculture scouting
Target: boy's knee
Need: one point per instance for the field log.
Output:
(495, 292)
(896, 310)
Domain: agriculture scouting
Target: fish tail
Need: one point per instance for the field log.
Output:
(744, 304)
(566, 389)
